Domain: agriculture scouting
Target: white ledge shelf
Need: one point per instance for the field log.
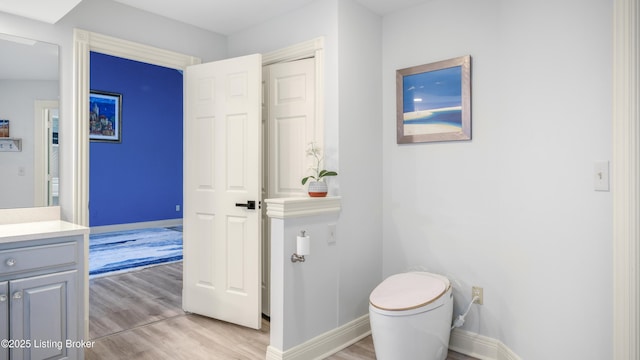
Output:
(10, 144)
(284, 208)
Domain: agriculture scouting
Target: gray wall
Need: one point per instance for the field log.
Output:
(17, 99)
(514, 210)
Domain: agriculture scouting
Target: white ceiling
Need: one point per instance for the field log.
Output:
(220, 16)
(49, 11)
(229, 16)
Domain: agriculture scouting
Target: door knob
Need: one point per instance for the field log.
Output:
(3, 298)
(11, 262)
(250, 205)
(17, 295)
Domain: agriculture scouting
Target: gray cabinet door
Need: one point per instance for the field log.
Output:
(43, 312)
(4, 318)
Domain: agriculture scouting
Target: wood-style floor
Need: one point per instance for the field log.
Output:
(138, 315)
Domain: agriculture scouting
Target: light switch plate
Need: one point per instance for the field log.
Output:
(601, 176)
(332, 234)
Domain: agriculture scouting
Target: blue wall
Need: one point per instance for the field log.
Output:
(139, 179)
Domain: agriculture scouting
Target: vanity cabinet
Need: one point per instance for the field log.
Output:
(41, 309)
(42, 297)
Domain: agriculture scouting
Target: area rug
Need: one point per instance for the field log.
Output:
(116, 252)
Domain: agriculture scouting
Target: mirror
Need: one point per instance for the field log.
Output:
(29, 95)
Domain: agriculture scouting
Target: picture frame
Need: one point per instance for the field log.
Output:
(4, 128)
(433, 101)
(105, 116)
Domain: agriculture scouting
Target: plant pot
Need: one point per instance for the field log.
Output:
(317, 189)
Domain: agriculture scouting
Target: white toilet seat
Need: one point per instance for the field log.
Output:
(409, 291)
(410, 316)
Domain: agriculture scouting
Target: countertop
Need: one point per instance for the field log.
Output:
(39, 230)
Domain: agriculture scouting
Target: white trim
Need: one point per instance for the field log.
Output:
(135, 226)
(83, 43)
(274, 354)
(331, 342)
(479, 346)
(281, 208)
(86, 41)
(504, 353)
(325, 344)
(41, 151)
(294, 52)
(139, 52)
(80, 186)
(626, 180)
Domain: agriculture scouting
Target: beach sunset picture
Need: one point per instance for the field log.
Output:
(434, 101)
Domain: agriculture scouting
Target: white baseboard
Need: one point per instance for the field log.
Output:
(322, 346)
(504, 353)
(135, 226)
(326, 344)
(479, 346)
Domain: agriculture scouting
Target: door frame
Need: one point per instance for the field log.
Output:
(86, 41)
(41, 152)
(626, 180)
(83, 43)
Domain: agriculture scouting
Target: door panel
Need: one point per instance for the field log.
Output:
(236, 153)
(222, 265)
(236, 243)
(42, 308)
(292, 125)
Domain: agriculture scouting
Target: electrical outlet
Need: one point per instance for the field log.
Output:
(177, 207)
(477, 291)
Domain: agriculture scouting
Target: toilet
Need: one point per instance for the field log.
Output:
(410, 315)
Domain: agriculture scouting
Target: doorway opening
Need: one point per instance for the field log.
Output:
(84, 42)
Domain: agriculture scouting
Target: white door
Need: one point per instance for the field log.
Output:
(222, 176)
(289, 124)
(292, 125)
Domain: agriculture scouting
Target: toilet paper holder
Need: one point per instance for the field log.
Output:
(303, 247)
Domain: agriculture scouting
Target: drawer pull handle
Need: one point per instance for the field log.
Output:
(11, 262)
(3, 298)
(17, 295)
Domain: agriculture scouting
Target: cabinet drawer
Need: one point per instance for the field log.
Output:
(37, 257)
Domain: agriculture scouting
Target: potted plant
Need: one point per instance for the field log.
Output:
(317, 187)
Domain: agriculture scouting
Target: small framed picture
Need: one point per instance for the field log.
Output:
(105, 116)
(4, 128)
(433, 101)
